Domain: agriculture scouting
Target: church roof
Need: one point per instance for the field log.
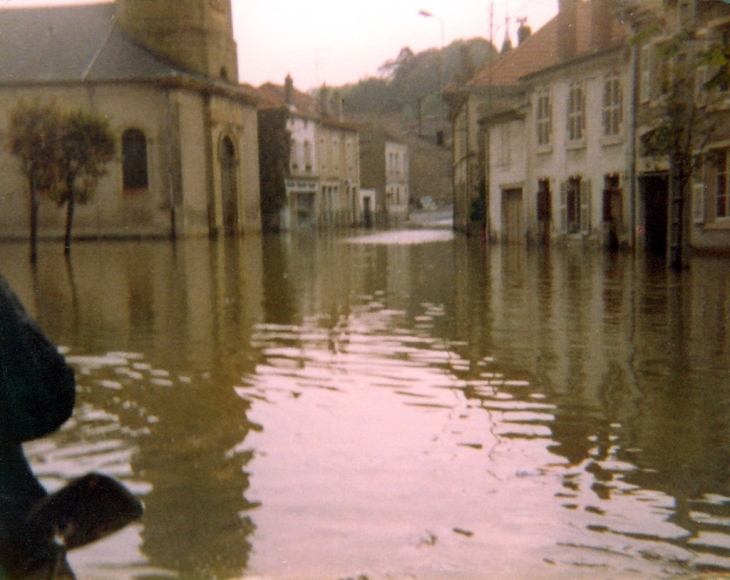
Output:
(71, 44)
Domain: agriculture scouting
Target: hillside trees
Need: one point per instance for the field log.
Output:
(62, 155)
(410, 78)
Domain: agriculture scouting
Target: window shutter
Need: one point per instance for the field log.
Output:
(698, 202)
(585, 206)
(564, 207)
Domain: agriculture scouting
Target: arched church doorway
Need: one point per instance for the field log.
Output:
(229, 186)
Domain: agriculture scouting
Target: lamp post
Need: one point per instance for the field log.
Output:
(427, 14)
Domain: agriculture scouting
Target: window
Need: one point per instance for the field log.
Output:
(504, 146)
(723, 191)
(702, 71)
(348, 154)
(698, 202)
(336, 153)
(665, 68)
(294, 155)
(612, 106)
(576, 112)
(134, 160)
(322, 153)
(645, 73)
(544, 118)
(307, 156)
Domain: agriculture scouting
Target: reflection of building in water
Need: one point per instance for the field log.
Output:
(630, 357)
(190, 308)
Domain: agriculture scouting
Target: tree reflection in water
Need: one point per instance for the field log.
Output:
(303, 406)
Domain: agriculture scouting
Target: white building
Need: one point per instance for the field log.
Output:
(557, 156)
(323, 177)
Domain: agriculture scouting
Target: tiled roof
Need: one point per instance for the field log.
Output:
(73, 43)
(540, 51)
(273, 96)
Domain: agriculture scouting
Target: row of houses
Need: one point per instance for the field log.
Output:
(339, 174)
(557, 137)
(198, 152)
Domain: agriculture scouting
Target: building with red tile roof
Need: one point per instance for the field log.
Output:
(319, 184)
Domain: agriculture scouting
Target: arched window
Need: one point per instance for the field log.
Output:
(134, 159)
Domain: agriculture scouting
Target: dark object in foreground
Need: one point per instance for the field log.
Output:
(87, 509)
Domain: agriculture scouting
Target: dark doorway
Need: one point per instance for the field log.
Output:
(229, 186)
(367, 212)
(544, 210)
(612, 210)
(654, 191)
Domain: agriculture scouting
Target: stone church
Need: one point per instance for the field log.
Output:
(167, 81)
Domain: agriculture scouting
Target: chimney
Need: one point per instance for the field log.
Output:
(507, 44)
(523, 32)
(567, 29)
(289, 91)
(601, 20)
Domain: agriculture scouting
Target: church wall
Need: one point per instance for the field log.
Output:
(112, 212)
(230, 118)
(194, 218)
(173, 122)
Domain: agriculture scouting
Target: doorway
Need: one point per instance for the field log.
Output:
(654, 191)
(512, 216)
(229, 186)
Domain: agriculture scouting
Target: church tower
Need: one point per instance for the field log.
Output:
(194, 34)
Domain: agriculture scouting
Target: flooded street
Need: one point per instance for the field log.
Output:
(392, 406)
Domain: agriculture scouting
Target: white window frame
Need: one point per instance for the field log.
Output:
(698, 202)
(576, 112)
(544, 119)
(612, 106)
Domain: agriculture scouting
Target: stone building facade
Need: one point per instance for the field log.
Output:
(187, 160)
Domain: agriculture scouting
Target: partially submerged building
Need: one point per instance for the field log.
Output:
(167, 81)
(310, 170)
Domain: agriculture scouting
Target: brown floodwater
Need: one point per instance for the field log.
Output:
(392, 406)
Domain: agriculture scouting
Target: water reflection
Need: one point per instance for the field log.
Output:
(400, 405)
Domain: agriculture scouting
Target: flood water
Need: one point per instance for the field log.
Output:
(392, 406)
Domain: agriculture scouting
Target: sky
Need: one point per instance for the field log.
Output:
(336, 42)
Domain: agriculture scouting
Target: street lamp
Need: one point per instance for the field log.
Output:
(427, 14)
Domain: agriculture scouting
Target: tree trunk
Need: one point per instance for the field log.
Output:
(675, 232)
(33, 223)
(71, 206)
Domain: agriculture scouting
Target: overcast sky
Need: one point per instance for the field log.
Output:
(341, 41)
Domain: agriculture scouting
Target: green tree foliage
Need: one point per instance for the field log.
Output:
(33, 136)
(85, 148)
(274, 161)
(411, 78)
(63, 155)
